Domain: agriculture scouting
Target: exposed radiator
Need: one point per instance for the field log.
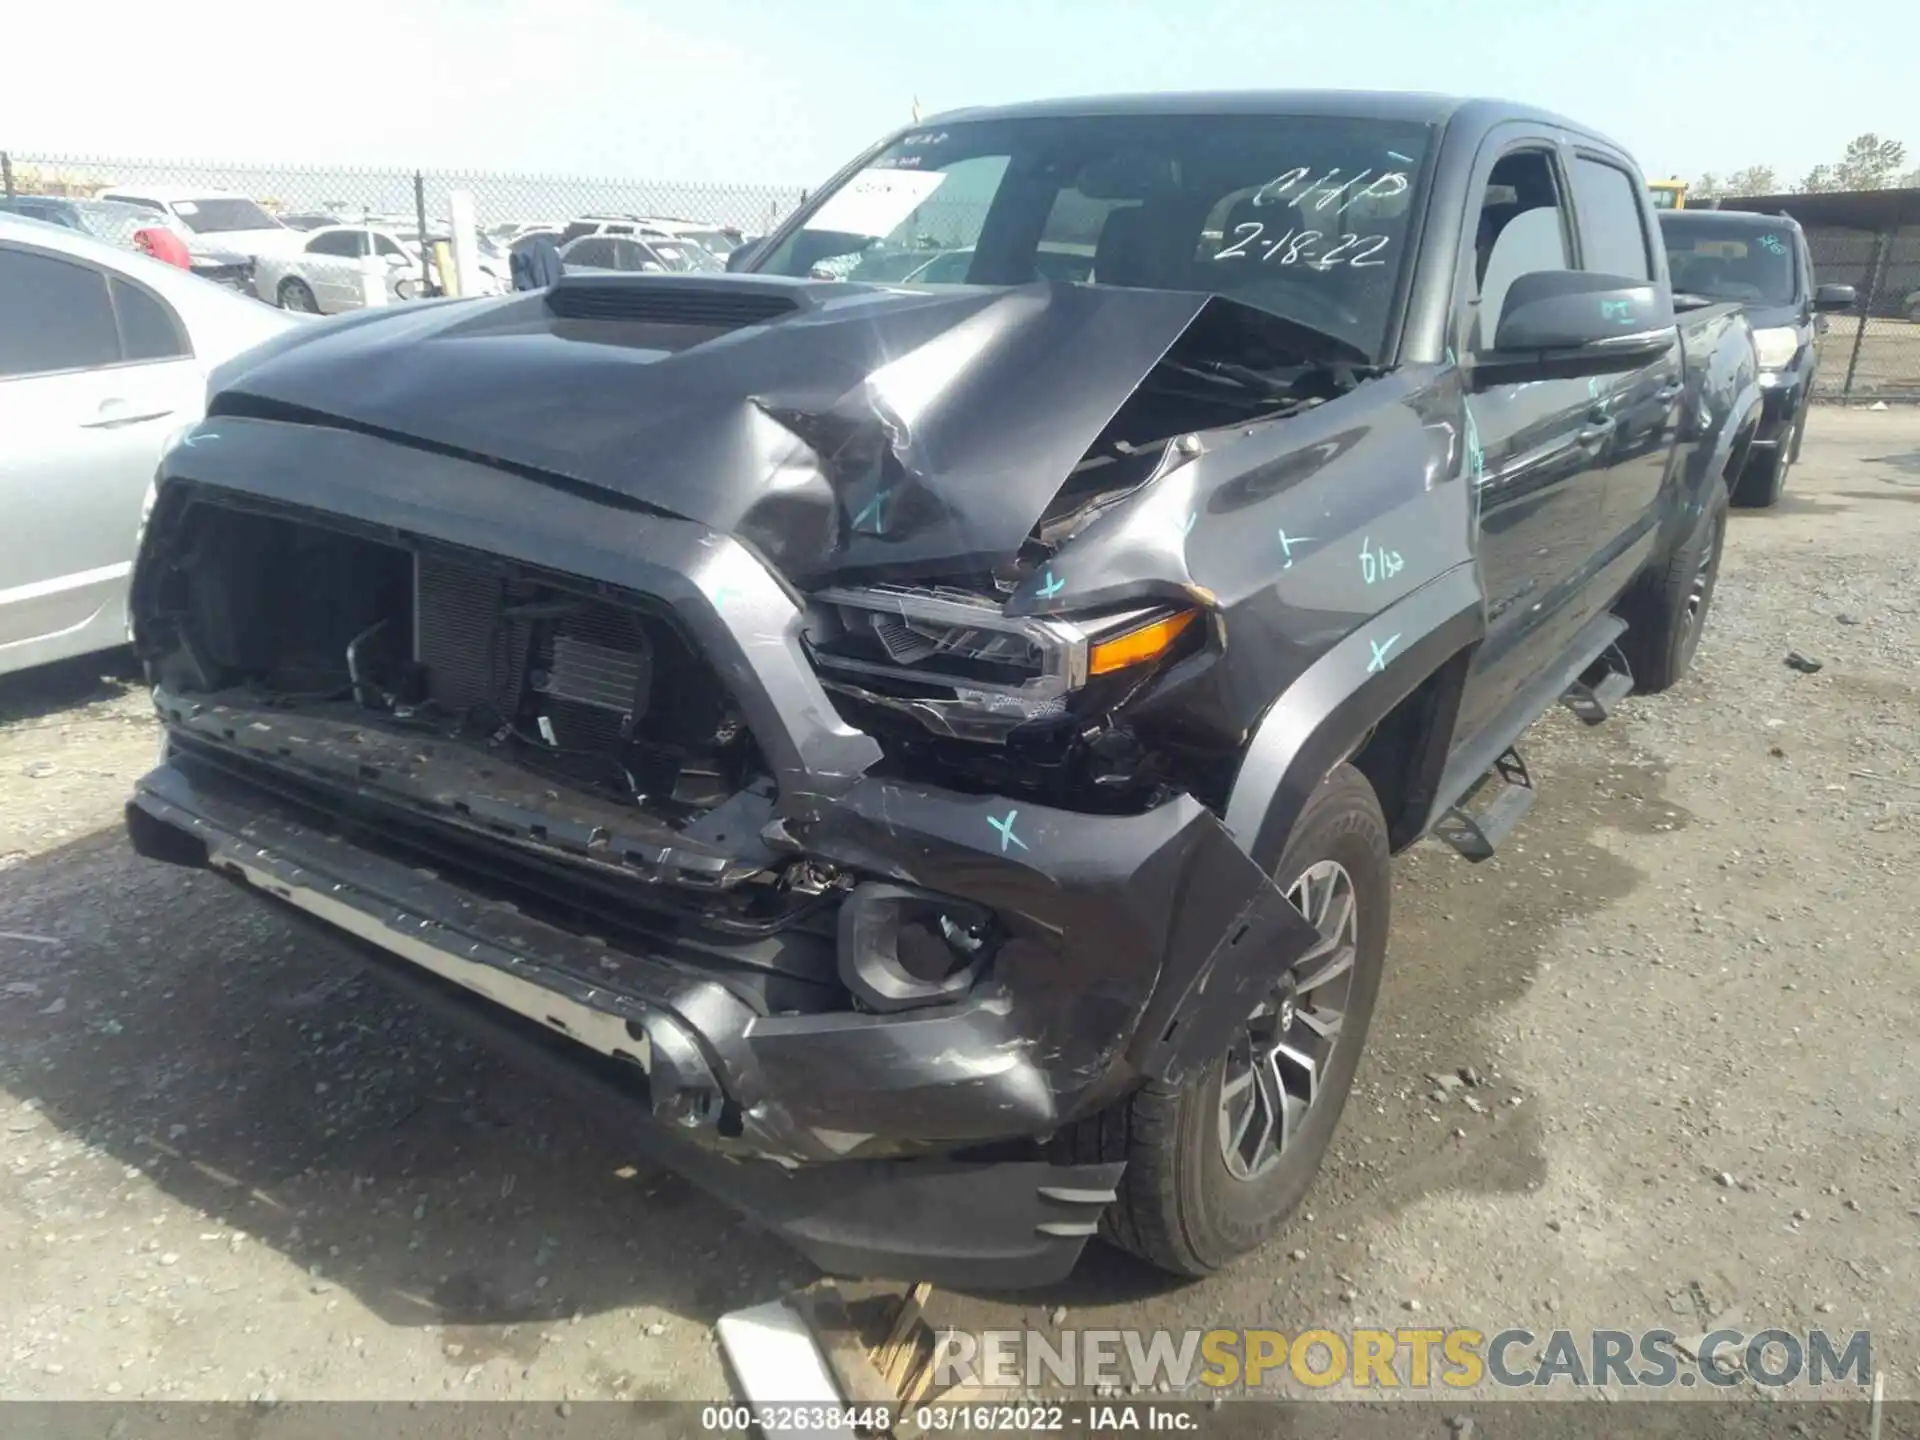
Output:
(471, 656)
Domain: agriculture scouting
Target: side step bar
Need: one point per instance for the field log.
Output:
(1477, 836)
(1601, 686)
(1591, 679)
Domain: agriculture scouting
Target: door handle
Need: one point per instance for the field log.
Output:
(1596, 432)
(1668, 393)
(113, 414)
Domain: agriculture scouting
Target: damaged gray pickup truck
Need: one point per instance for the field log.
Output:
(926, 756)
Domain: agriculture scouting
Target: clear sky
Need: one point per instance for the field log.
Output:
(786, 90)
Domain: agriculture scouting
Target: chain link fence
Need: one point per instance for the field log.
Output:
(1872, 352)
(410, 196)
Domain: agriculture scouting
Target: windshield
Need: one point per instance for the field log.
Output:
(1732, 260)
(1303, 216)
(221, 216)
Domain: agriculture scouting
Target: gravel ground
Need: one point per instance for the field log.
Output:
(230, 1167)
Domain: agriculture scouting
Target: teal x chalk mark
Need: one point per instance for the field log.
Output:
(1380, 649)
(1005, 827)
(1187, 529)
(1287, 542)
(192, 440)
(725, 593)
(874, 510)
(1051, 588)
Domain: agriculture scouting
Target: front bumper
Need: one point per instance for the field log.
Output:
(1783, 395)
(867, 1141)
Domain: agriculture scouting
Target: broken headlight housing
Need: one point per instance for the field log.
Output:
(961, 666)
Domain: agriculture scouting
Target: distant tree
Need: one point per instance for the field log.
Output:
(1869, 164)
(1706, 187)
(1910, 180)
(1818, 180)
(1753, 180)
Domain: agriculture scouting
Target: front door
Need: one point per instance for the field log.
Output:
(1538, 494)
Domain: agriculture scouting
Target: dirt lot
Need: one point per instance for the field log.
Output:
(231, 1168)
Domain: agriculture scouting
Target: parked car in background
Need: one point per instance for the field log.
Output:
(104, 354)
(233, 221)
(1761, 263)
(717, 240)
(310, 220)
(121, 224)
(632, 252)
(324, 275)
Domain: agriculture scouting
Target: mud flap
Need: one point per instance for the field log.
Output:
(1206, 993)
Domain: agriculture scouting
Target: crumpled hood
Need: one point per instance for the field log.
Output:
(844, 431)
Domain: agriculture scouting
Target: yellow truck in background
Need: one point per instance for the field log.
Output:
(1668, 194)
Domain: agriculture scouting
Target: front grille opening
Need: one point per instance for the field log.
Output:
(600, 690)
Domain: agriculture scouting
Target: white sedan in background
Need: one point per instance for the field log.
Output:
(326, 275)
(104, 355)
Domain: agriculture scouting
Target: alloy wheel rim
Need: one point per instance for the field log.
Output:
(1276, 1063)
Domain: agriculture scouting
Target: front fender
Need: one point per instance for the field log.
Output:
(1324, 715)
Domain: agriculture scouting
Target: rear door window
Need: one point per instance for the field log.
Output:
(149, 330)
(1613, 235)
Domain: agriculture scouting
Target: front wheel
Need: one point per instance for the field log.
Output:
(1214, 1166)
(295, 295)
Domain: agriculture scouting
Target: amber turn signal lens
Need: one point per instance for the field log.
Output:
(1149, 642)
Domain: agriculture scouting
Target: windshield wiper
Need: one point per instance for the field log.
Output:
(1311, 380)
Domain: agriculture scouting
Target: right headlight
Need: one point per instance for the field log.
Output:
(962, 667)
(1776, 346)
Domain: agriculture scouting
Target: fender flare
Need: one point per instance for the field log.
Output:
(1742, 414)
(1320, 719)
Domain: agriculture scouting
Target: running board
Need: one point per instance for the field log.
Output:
(1477, 835)
(1601, 686)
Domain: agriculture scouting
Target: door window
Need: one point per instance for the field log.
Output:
(149, 330)
(54, 315)
(1613, 236)
(344, 244)
(1522, 229)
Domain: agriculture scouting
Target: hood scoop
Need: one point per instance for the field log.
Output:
(669, 300)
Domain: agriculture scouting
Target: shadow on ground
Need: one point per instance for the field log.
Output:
(62, 687)
(265, 1081)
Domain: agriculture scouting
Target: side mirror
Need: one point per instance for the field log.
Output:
(740, 257)
(1570, 324)
(1834, 297)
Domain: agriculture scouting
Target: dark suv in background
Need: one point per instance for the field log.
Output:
(1760, 262)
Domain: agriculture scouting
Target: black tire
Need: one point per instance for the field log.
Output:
(1799, 432)
(1763, 479)
(1180, 1208)
(295, 294)
(1667, 610)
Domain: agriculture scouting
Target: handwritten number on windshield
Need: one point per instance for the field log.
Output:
(1298, 246)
